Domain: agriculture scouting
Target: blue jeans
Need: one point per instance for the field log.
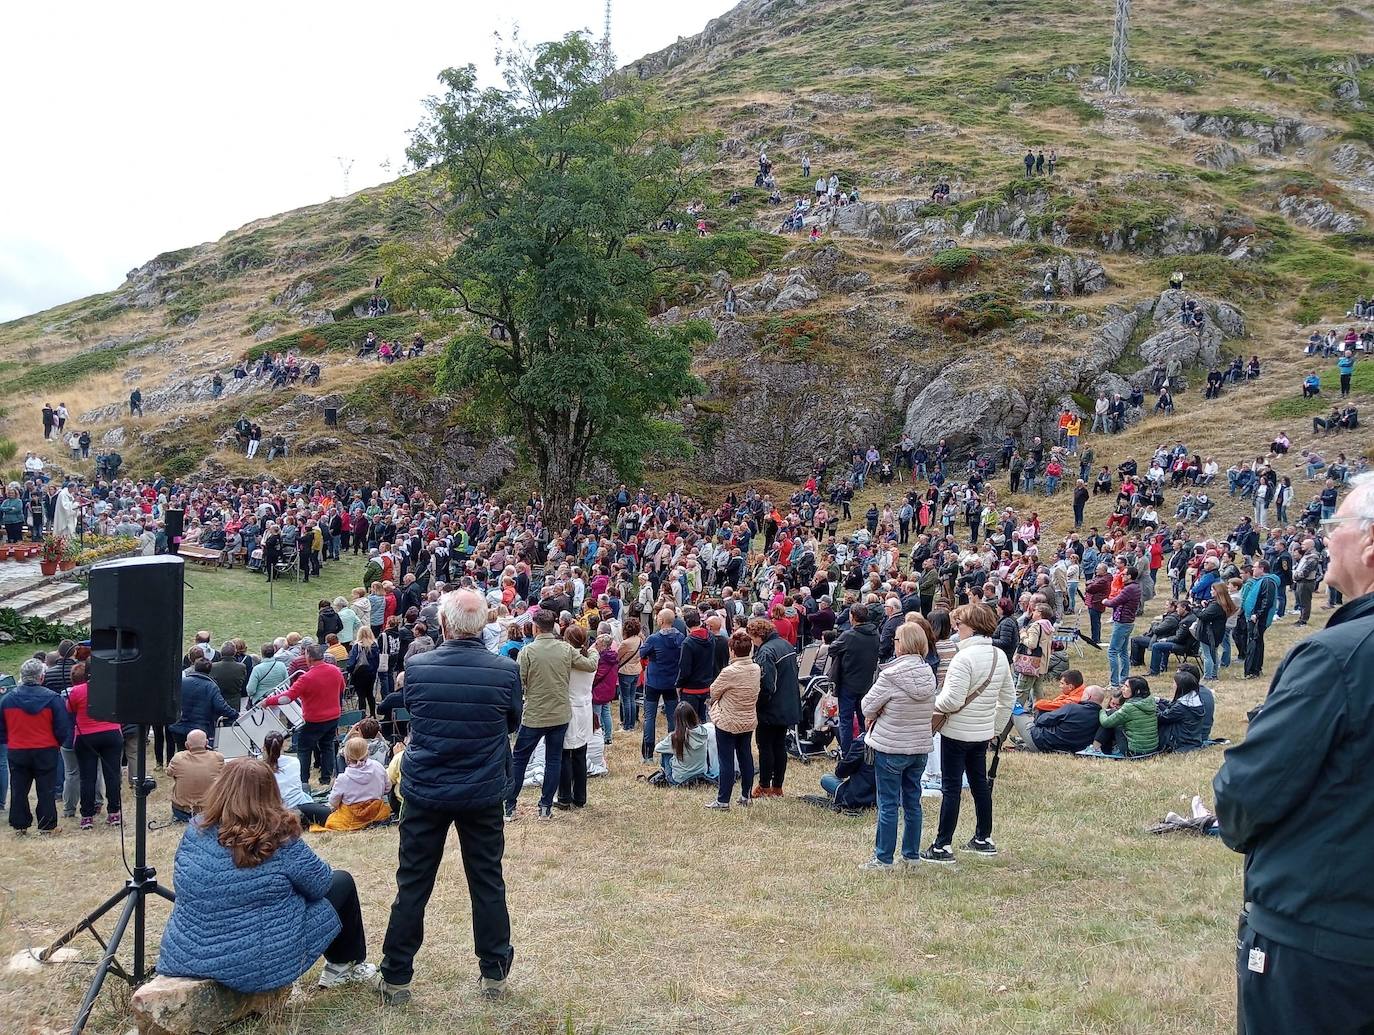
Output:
(1051, 484)
(652, 696)
(525, 742)
(1209, 661)
(830, 783)
(603, 715)
(1226, 649)
(1119, 652)
(1159, 655)
(4, 774)
(849, 704)
(899, 784)
(629, 707)
(1095, 624)
(1282, 601)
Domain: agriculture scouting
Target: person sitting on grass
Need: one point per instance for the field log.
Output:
(1130, 724)
(192, 771)
(1071, 689)
(255, 907)
(288, 773)
(378, 747)
(1311, 385)
(682, 753)
(1070, 728)
(854, 784)
(1185, 723)
(358, 799)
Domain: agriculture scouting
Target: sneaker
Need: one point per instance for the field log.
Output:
(494, 988)
(983, 847)
(937, 854)
(746, 802)
(87, 822)
(510, 814)
(114, 819)
(335, 974)
(563, 806)
(723, 806)
(392, 995)
(876, 864)
(908, 864)
(546, 812)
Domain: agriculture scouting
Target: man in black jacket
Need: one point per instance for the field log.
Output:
(696, 666)
(464, 704)
(854, 661)
(1070, 728)
(1294, 798)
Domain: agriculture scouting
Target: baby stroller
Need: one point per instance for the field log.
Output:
(819, 723)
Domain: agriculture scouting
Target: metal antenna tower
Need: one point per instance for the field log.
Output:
(606, 55)
(346, 164)
(1116, 77)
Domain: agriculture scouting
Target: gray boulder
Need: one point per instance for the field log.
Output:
(795, 293)
(1217, 154)
(966, 408)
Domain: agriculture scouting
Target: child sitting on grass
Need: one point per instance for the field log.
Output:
(358, 799)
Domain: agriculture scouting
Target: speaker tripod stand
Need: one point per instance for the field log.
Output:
(133, 895)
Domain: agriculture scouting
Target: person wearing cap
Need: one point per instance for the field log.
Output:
(1293, 798)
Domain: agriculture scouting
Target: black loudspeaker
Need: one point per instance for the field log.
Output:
(331, 416)
(136, 617)
(175, 523)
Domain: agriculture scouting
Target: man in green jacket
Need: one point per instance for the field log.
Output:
(1131, 726)
(1294, 798)
(545, 667)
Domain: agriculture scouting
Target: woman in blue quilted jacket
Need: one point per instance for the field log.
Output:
(255, 907)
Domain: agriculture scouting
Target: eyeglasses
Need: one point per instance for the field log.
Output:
(1332, 522)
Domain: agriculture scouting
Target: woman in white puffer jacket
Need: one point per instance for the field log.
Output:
(977, 697)
(898, 710)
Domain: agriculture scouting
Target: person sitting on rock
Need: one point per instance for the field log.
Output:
(241, 860)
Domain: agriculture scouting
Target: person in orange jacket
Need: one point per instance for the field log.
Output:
(1070, 692)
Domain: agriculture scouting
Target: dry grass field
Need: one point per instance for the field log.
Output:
(647, 914)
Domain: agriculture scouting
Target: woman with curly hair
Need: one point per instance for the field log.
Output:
(255, 907)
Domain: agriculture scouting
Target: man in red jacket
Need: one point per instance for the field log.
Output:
(320, 691)
(33, 724)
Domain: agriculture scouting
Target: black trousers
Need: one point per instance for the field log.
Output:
(350, 944)
(1296, 991)
(1254, 646)
(316, 738)
(958, 758)
(103, 751)
(732, 748)
(30, 768)
(482, 841)
(572, 777)
(772, 755)
(311, 812)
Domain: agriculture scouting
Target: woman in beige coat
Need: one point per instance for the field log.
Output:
(734, 703)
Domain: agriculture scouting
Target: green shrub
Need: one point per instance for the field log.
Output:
(70, 370)
(945, 267)
(8, 449)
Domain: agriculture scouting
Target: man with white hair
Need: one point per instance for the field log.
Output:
(464, 704)
(34, 723)
(1293, 797)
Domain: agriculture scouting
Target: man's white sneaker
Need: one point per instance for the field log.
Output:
(875, 864)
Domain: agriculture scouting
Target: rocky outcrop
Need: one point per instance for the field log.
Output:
(1355, 165)
(1317, 213)
(967, 409)
(188, 1006)
(1217, 154)
(1257, 134)
(1080, 275)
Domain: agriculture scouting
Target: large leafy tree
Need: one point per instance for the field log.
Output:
(554, 192)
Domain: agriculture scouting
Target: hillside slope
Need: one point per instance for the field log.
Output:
(1243, 157)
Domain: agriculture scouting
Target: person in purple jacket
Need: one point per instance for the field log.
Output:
(1125, 606)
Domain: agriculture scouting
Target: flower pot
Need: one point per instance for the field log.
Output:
(67, 565)
(48, 567)
(5, 552)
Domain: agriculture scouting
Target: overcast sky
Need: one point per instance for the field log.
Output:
(135, 129)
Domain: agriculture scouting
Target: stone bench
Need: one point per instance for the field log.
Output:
(193, 1006)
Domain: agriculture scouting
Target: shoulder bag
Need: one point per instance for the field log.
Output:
(938, 719)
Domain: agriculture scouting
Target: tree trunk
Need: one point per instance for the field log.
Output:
(558, 480)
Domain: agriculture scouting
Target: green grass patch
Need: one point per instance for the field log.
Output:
(1326, 280)
(63, 372)
(188, 302)
(409, 379)
(1361, 383)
